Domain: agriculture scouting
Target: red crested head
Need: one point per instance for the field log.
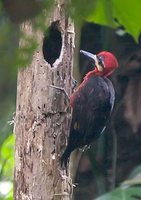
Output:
(104, 63)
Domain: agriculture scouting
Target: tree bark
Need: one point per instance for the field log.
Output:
(43, 118)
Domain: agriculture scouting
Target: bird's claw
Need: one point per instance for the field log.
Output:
(74, 83)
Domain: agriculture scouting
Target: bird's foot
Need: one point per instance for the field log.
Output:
(74, 83)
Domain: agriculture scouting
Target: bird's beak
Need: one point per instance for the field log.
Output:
(93, 59)
(90, 56)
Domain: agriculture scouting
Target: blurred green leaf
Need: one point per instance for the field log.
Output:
(103, 13)
(129, 189)
(7, 149)
(136, 172)
(122, 193)
(7, 157)
(128, 15)
(111, 13)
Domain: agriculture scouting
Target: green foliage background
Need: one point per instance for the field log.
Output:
(6, 166)
(113, 13)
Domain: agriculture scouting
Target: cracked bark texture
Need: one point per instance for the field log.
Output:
(43, 117)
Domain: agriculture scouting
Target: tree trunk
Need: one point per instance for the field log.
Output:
(43, 115)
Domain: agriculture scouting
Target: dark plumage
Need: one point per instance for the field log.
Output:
(92, 104)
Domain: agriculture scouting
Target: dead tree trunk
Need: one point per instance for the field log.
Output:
(43, 114)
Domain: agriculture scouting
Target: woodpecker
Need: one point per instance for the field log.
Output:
(92, 103)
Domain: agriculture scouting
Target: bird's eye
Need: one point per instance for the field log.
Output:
(100, 61)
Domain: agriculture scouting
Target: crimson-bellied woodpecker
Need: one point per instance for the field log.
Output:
(92, 103)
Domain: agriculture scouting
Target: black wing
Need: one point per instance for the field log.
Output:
(92, 107)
